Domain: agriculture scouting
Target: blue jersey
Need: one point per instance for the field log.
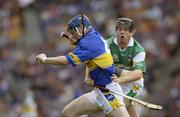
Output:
(94, 52)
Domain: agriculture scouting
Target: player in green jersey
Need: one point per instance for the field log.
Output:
(129, 58)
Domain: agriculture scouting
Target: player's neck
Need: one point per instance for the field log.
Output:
(123, 45)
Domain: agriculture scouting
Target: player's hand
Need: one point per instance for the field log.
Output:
(89, 81)
(115, 78)
(41, 58)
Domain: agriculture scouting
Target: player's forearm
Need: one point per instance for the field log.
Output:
(131, 76)
(59, 60)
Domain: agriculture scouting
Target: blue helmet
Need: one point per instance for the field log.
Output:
(77, 21)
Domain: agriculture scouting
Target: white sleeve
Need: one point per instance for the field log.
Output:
(139, 57)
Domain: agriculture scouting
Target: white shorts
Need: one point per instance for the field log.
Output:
(107, 101)
(133, 89)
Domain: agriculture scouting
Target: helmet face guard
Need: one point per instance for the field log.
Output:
(75, 22)
(127, 23)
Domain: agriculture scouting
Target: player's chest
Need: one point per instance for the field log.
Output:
(122, 57)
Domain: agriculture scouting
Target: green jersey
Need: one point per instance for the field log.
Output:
(130, 58)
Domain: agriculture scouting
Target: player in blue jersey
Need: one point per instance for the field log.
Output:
(93, 50)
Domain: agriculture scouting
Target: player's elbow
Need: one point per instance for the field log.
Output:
(62, 60)
(64, 63)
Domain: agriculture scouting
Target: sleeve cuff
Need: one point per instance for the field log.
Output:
(70, 60)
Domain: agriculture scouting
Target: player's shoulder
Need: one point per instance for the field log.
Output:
(137, 46)
(93, 38)
(110, 40)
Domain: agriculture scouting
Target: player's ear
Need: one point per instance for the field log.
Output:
(133, 32)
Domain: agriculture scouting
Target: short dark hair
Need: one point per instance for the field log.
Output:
(125, 22)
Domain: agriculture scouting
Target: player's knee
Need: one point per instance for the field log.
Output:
(68, 112)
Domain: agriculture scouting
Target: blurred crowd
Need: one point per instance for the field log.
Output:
(29, 27)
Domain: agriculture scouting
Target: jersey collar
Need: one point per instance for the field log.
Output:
(130, 44)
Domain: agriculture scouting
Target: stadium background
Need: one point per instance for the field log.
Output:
(29, 27)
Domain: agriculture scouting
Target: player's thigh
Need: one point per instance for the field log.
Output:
(81, 105)
(119, 112)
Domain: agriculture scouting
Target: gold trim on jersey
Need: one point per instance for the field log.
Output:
(91, 65)
(74, 58)
(104, 60)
